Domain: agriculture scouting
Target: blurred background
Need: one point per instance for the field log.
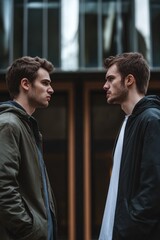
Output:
(79, 127)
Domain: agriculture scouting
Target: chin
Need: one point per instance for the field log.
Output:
(43, 105)
(109, 100)
(112, 101)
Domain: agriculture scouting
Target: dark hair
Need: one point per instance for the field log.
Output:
(131, 63)
(25, 67)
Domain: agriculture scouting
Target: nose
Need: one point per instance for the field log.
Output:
(50, 90)
(106, 86)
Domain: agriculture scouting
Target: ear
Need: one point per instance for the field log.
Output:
(25, 84)
(130, 80)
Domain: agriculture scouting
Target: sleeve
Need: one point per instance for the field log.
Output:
(15, 217)
(140, 216)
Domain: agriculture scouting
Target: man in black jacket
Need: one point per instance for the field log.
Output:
(132, 210)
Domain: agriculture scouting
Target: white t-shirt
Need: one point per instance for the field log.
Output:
(109, 212)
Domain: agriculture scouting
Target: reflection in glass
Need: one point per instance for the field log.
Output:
(104, 30)
(88, 34)
(18, 29)
(5, 32)
(77, 34)
(91, 39)
(116, 24)
(69, 34)
(155, 34)
(35, 32)
(143, 30)
(54, 36)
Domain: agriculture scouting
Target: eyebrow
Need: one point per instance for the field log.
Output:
(46, 80)
(109, 77)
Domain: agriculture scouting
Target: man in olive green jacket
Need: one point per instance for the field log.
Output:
(27, 210)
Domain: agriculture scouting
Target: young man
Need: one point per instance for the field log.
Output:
(27, 209)
(132, 209)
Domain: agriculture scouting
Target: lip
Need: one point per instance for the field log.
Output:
(108, 94)
(48, 98)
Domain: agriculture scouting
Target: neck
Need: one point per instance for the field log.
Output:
(25, 105)
(129, 105)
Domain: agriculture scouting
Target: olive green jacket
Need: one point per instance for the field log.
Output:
(22, 208)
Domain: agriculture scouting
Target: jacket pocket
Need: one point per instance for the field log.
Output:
(129, 226)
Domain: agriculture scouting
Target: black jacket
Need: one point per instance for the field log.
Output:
(137, 215)
(22, 208)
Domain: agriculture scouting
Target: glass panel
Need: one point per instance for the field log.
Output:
(91, 1)
(53, 125)
(5, 30)
(91, 35)
(35, 1)
(54, 36)
(18, 29)
(69, 36)
(104, 30)
(143, 27)
(116, 23)
(50, 1)
(105, 122)
(91, 41)
(35, 19)
(127, 19)
(109, 28)
(155, 19)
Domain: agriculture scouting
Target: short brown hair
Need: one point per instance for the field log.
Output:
(131, 63)
(25, 67)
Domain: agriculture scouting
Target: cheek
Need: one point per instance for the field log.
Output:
(39, 92)
(121, 88)
(116, 89)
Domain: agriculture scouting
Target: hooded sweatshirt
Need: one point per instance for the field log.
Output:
(137, 214)
(26, 200)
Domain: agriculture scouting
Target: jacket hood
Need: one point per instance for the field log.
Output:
(13, 107)
(150, 101)
(18, 110)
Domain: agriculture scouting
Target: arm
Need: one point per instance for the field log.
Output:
(140, 215)
(15, 217)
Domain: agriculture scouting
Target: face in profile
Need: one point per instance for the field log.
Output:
(40, 91)
(116, 91)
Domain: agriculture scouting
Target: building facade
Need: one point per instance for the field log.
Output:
(79, 128)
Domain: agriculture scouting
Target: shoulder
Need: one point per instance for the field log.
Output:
(10, 123)
(9, 118)
(150, 114)
(149, 117)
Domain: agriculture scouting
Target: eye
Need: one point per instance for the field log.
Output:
(110, 78)
(46, 83)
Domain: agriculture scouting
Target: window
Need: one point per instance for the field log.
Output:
(30, 27)
(78, 34)
(5, 32)
(104, 30)
(155, 33)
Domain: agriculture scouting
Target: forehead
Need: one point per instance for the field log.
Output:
(43, 74)
(112, 70)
